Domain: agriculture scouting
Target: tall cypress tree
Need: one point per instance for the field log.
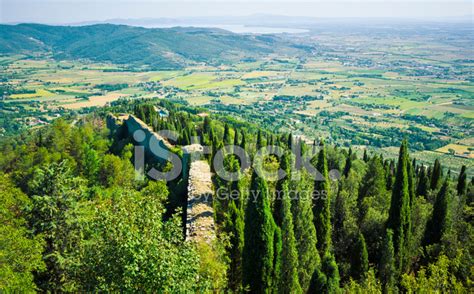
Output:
(243, 143)
(462, 181)
(290, 141)
(236, 138)
(360, 259)
(235, 228)
(289, 282)
(321, 203)
(399, 219)
(277, 203)
(305, 234)
(326, 279)
(259, 248)
(436, 174)
(387, 263)
(438, 224)
(348, 164)
(366, 156)
(206, 125)
(259, 140)
(422, 188)
(227, 140)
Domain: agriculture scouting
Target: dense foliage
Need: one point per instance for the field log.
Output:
(156, 48)
(76, 218)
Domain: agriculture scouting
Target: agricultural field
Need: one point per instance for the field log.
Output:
(344, 92)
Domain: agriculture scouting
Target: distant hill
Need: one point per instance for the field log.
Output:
(155, 48)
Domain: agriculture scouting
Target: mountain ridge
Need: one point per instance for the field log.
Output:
(157, 48)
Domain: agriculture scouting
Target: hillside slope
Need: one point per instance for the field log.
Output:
(119, 44)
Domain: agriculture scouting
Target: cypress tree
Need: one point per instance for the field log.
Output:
(360, 259)
(277, 202)
(259, 140)
(422, 189)
(289, 282)
(236, 138)
(462, 181)
(305, 234)
(387, 263)
(326, 279)
(435, 175)
(290, 141)
(243, 143)
(366, 156)
(438, 223)
(227, 140)
(321, 203)
(235, 227)
(277, 262)
(258, 252)
(206, 125)
(399, 219)
(348, 164)
(411, 181)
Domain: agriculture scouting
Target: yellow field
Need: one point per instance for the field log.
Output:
(458, 149)
(95, 101)
(259, 74)
(39, 94)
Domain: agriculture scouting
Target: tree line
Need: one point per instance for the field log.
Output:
(75, 218)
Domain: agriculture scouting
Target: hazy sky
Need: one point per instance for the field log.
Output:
(70, 11)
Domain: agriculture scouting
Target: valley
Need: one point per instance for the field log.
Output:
(354, 90)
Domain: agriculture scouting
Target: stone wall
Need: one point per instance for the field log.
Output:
(199, 211)
(200, 214)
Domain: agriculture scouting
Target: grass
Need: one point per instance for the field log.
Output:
(95, 101)
(458, 149)
(39, 93)
(202, 81)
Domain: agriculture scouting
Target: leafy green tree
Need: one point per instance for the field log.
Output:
(20, 252)
(55, 215)
(399, 215)
(373, 185)
(131, 249)
(258, 253)
(115, 171)
(370, 285)
(437, 277)
(321, 203)
(90, 163)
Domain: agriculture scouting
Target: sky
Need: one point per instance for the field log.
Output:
(74, 11)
